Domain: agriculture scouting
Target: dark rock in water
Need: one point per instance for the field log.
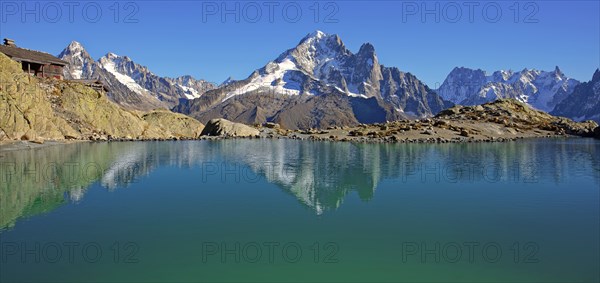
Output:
(597, 133)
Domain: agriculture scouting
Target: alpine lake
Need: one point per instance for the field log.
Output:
(238, 210)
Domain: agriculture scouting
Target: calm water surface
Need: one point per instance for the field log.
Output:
(279, 210)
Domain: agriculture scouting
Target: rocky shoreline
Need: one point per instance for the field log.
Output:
(499, 121)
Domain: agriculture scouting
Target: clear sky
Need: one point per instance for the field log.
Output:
(213, 40)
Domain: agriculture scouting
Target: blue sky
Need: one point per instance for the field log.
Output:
(428, 39)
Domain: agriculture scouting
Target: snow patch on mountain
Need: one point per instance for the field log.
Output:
(274, 79)
(190, 93)
(319, 57)
(108, 64)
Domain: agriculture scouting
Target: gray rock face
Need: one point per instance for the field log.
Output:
(131, 85)
(222, 127)
(539, 89)
(584, 103)
(320, 70)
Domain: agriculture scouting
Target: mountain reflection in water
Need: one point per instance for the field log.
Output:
(318, 174)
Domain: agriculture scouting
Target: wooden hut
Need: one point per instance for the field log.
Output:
(35, 63)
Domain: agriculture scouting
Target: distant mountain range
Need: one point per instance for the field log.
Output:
(131, 85)
(319, 83)
(539, 89)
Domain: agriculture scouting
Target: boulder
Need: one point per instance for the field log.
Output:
(166, 124)
(222, 127)
(454, 110)
(597, 132)
(271, 125)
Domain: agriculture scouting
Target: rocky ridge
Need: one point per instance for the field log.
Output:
(37, 110)
(499, 121)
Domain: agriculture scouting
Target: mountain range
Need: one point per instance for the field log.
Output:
(539, 89)
(584, 103)
(130, 84)
(320, 83)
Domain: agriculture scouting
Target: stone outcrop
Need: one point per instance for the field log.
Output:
(222, 127)
(499, 121)
(517, 115)
(46, 109)
(166, 123)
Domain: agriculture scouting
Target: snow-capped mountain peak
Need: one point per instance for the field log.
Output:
(75, 47)
(316, 34)
(315, 52)
(321, 65)
(80, 61)
(123, 71)
(318, 57)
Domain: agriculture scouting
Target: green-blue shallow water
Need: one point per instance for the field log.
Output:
(282, 210)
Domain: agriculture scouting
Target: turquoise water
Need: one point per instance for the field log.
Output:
(282, 210)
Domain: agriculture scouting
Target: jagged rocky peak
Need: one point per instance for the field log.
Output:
(314, 51)
(319, 39)
(367, 49)
(583, 103)
(366, 55)
(112, 57)
(81, 64)
(596, 76)
(558, 72)
(124, 65)
(502, 75)
(227, 81)
(109, 58)
(73, 48)
(462, 81)
(467, 72)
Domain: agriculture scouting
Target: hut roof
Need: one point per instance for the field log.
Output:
(22, 54)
